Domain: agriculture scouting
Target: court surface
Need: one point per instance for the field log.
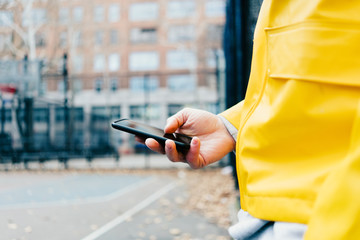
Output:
(84, 206)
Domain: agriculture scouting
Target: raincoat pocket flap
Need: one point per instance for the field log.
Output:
(315, 51)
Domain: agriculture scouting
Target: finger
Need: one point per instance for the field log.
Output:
(193, 157)
(176, 121)
(154, 145)
(171, 152)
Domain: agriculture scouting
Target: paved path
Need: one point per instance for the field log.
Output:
(85, 206)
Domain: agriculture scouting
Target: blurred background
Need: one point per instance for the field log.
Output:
(68, 68)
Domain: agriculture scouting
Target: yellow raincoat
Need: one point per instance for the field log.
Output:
(298, 147)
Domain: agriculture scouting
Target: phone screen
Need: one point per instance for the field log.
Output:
(147, 131)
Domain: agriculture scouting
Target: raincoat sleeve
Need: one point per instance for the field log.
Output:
(233, 114)
(336, 213)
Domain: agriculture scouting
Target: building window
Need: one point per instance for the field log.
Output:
(59, 115)
(181, 59)
(152, 112)
(99, 63)
(63, 39)
(99, 125)
(99, 83)
(78, 136)
(63, 15)
(143, 35)
(114, 13)
(180, 83)
(174, 108)
(139, 84)
(40, 40)
(78, 114)
(61, 86)
(78, 38)
(137, 112)
(144, 11)
(114, 37)
(78, 63)
(78, 85)
(41, 114)
(99, 13)
(99, 114)
(115, 112)
(114, 83)
(181, 33)
(215, 8)
(102, 113)
(181, 9)
(143, 61)
(214, 33)
(114, 62)
(78, 14)
(99, 37)
(37, 15)
(43, 88)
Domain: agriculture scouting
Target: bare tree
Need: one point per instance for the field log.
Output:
(22, 21)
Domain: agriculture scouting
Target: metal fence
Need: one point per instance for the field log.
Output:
(34, 128)
(40, 127)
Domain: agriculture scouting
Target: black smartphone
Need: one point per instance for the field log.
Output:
(145, 131)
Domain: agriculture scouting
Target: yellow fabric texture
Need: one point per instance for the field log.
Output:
(298, 147)
(234, 119)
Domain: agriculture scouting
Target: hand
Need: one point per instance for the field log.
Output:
(211, 140)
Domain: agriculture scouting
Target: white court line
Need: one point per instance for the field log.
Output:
(120, 219)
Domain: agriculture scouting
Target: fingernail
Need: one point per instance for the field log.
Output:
(195, 141)
(169, 146)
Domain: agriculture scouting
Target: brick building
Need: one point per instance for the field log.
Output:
(141, 59)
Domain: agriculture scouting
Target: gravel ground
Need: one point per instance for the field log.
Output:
(212, 194)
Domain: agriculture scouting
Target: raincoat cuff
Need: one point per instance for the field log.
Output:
(231, 128)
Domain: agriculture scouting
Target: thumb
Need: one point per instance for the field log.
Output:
(176, 121)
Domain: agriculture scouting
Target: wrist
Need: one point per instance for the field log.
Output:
(231, 131)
